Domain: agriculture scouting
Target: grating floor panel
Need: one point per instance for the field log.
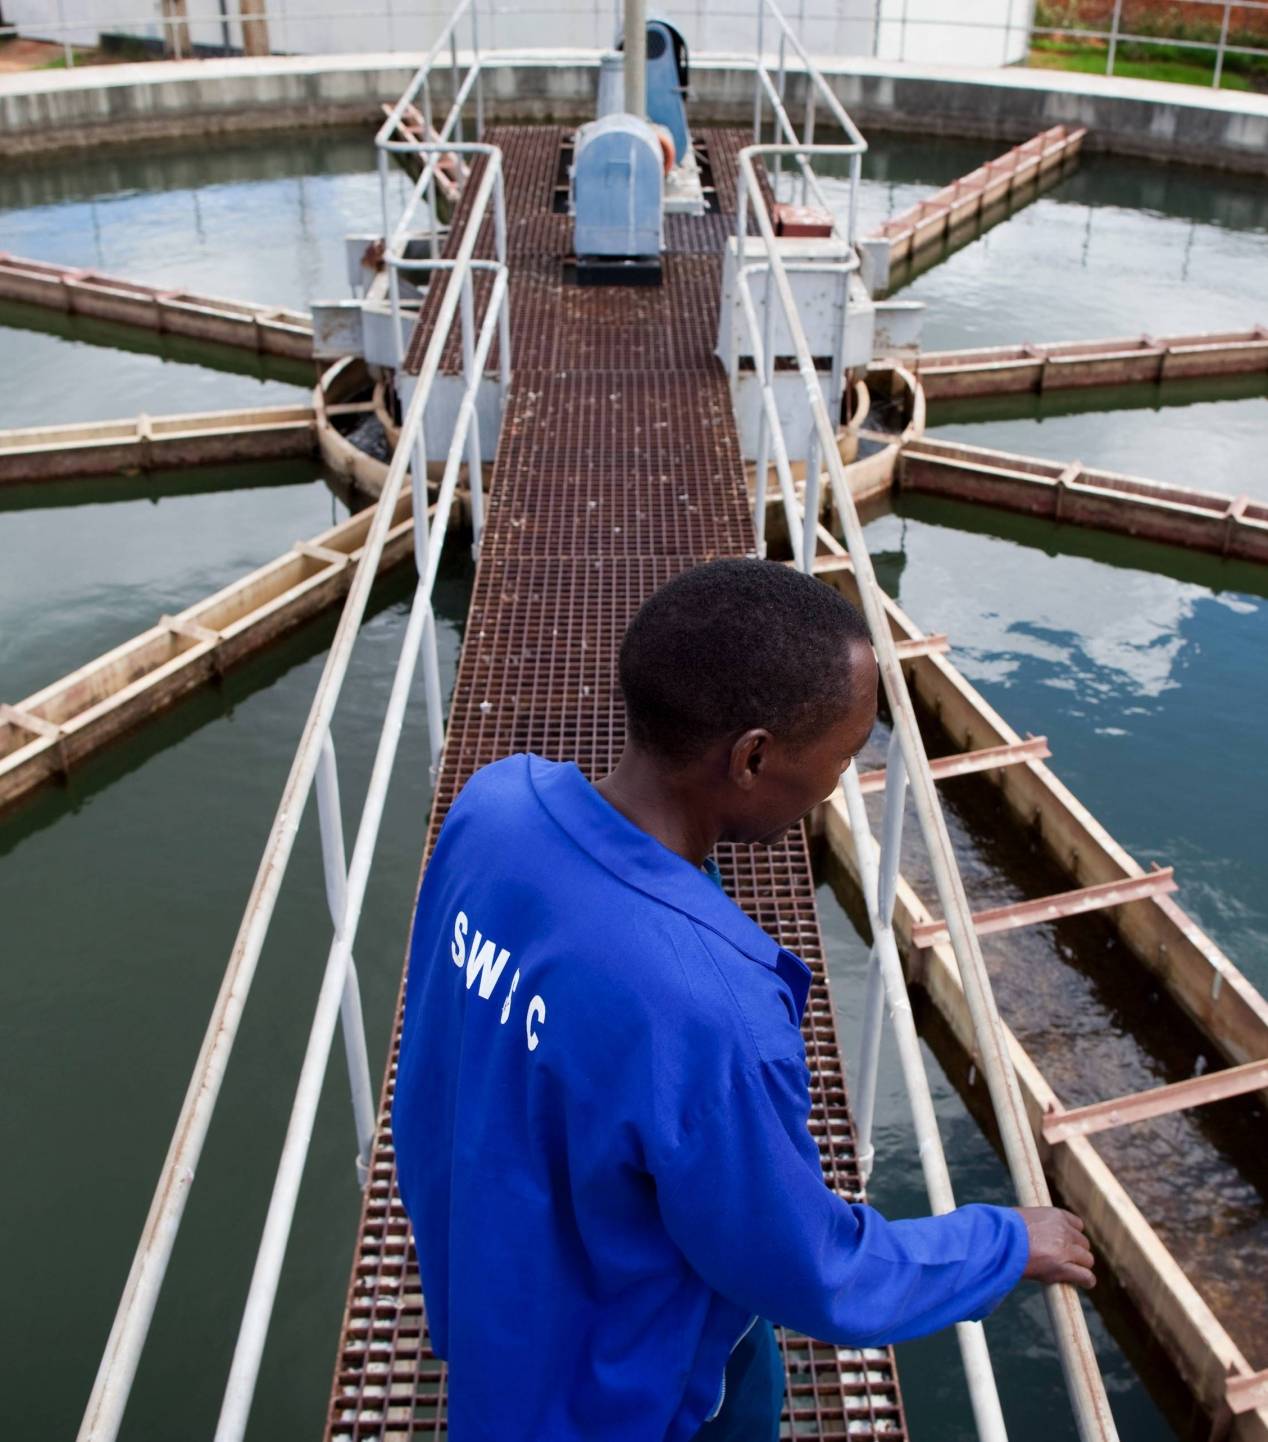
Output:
(618, 465)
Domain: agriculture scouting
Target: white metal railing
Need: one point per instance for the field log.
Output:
(907, 773)
(346, 882)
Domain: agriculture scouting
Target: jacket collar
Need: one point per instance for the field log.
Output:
(640, 861)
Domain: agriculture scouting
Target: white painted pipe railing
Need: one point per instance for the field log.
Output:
(885, 982)
(1083, 1379)
(345, 888)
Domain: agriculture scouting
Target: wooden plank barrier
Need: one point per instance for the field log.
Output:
(266, 329)
(144, 443)
(48, 733)
(1069, 365)
(1225, 525)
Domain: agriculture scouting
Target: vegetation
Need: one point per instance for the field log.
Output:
(1077, 48)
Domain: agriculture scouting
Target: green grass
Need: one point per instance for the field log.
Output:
(1050, 54)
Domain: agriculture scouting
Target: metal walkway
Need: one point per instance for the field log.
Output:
(618, 466)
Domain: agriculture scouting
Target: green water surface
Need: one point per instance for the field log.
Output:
(120, 895)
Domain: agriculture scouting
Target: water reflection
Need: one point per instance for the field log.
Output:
(1144, 683)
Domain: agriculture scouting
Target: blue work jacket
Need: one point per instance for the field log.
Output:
(601, 1134)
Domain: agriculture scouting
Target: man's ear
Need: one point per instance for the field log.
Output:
(748, 757)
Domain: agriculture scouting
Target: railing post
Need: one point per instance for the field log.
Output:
(810, 499)
(475, 478)
(1115, 22)
(808, 138)
(891, 831)
(393, 279)
(856, 179)
(499, 212)
(864, 1107)
(427, 641)
(504, 315)
(779, 90)
(885, 881)
(759, 65)
(479, 85)
(902, 33)
(455, 82)
(68, 52)
(428, 131)
(334, 865)
(1219, 54)
(883, 960)
(1008, 29)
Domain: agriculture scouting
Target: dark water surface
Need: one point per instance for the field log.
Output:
(121, 894)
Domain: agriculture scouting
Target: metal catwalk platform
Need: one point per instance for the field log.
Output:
(618, 466)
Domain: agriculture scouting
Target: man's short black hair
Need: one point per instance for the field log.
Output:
(733, 645)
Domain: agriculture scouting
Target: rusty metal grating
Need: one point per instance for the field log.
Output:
(618, 465)
(553, 322)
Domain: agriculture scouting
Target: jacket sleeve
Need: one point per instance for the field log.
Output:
(743, 1197)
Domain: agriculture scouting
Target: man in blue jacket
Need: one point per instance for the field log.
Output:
(601, 1104)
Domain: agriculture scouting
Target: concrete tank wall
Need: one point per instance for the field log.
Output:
(43, 111)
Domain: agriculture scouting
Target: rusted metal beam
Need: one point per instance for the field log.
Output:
(965, 763)
(1198, 1091)
(1053, 908)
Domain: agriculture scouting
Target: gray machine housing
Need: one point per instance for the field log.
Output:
(617, 201)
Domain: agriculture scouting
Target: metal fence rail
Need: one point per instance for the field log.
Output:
(346, 886)
(908, 770)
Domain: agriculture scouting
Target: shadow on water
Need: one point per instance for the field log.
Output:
(1237, 202)
(159, 485)
(87, 330)
(1106, 548)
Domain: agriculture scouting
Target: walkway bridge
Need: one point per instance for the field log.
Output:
(618, 466)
